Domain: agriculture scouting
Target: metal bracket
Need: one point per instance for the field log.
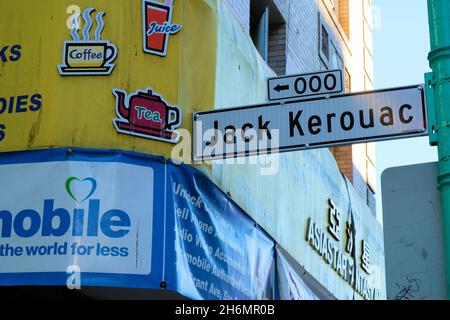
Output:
(431, 109)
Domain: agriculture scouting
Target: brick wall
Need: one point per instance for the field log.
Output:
(344, 16)
(301, 31)
(277, 49)
(301, 34)
(344, 158)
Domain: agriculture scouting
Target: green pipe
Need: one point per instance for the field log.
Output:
(439, 57)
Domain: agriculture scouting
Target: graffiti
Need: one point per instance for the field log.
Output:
(408, 291)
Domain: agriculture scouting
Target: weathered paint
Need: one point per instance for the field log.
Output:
(282, 203)
(78, 110)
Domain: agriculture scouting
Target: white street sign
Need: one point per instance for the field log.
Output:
(305, 85)
(321, 122)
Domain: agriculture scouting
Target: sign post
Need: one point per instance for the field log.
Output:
(439, 57)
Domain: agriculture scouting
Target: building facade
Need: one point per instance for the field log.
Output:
(320, 35)
(301, 37)
(312, 210)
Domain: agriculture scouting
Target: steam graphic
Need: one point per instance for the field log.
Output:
(100, 25)
(87, 25)
(75, 27)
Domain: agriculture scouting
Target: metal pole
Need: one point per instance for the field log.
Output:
(439, 57)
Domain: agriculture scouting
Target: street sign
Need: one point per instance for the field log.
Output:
(321, 122)
(305, 85)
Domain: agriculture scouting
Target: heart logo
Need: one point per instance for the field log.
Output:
(80, 190)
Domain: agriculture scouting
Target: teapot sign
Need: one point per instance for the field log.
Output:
(147, 115)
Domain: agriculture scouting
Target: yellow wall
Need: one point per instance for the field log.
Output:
(78, 110)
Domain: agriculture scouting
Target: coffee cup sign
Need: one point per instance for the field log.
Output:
(88, 57)
(93, 55)
(146, 115)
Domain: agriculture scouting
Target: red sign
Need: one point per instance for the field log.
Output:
(157, 26)
(147, 115)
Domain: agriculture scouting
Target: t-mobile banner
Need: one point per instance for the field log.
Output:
(217, 252)
(96, 212)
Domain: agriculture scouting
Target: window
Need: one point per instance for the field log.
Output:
(325, 43)
(259, 27)
(367, 11)
(368, 63)
(371, 202)
(348, 81)
(332, 3)
(268, 32)
(371, 152)
(328, 52)
(340, 11)
(368, 39)
(367, 83)
(335, 61)
(371, 176)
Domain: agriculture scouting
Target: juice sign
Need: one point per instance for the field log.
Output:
(157, 26)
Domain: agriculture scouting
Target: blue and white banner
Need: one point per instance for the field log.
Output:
(96, 213)
(291, 285)
(121, 219)
(217, 252)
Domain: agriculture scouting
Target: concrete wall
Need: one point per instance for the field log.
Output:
(283, 202)
(241, 11)
(413, 233)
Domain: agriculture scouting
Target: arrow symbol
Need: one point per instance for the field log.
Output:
(281, 88)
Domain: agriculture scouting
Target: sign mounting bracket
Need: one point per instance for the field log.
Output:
(431, 109)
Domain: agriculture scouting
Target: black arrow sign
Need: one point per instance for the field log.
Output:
(281, 88)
